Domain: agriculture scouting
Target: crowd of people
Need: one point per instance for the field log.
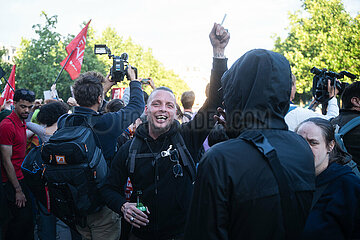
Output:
(248, 164)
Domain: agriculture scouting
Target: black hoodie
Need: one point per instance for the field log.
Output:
(168, 198)
(336, 215)
(236, 195)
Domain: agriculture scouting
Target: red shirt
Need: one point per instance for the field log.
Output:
(14, 134)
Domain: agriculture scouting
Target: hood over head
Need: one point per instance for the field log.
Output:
(257, 91)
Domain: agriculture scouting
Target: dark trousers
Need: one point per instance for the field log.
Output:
(20, 224)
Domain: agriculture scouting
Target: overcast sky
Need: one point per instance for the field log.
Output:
(176, 30)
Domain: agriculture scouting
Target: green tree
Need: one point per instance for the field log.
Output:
(323, 35)
(38, 60)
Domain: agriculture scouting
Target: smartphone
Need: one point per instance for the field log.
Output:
(145, 80)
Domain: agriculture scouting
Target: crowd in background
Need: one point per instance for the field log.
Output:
(248, 164)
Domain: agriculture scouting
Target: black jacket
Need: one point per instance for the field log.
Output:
(351, 139)
(236, 195)
(166, 197)
(336, 215)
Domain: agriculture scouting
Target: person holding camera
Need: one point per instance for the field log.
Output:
(160, 159)
(89, 90)
(297, 115)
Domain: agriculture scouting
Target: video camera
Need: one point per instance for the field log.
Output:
(320, 83)
(120, 64)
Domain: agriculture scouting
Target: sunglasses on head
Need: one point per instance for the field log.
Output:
(27, 92)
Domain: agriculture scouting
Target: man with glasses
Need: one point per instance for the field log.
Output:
(13, 147)
(159, 160)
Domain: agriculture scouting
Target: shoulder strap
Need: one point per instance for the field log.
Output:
(185, 155)
(88, 120)
(352, 164)
(339, 133)
(291, 222)
(134, 148)
(349, 126)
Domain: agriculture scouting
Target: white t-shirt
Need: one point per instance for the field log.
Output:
(298, 115)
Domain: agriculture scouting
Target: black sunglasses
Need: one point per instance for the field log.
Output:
(177, 168)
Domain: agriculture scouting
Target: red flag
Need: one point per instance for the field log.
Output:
(75, 51)
(8, 93)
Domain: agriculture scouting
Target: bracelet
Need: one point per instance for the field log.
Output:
(18, 189)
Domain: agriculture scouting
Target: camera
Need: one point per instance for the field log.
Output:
(320, 83)
(120, 64)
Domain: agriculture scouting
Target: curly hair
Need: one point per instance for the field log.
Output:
(87, 88)
(50, 113)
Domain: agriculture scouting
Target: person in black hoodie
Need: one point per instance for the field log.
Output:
(236, 194)
(164, 171)
(336, 204)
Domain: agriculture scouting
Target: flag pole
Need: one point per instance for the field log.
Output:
(8, 84)
(63, 66)
(2, 75)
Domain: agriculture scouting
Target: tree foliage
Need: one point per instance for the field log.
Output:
(323, 35)
(38, 60)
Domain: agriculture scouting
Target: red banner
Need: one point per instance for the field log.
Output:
(8, 93)
(117, 92)
(75, 51)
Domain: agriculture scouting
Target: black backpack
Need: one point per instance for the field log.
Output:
(74, 170)
(32, 168)
(339, 135)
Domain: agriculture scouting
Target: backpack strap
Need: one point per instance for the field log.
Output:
(339, 135)
(176, 139)
(352, 164)
(134, 148)
(291, 222)
(88, 120)
(185, 155)
(344, 130)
